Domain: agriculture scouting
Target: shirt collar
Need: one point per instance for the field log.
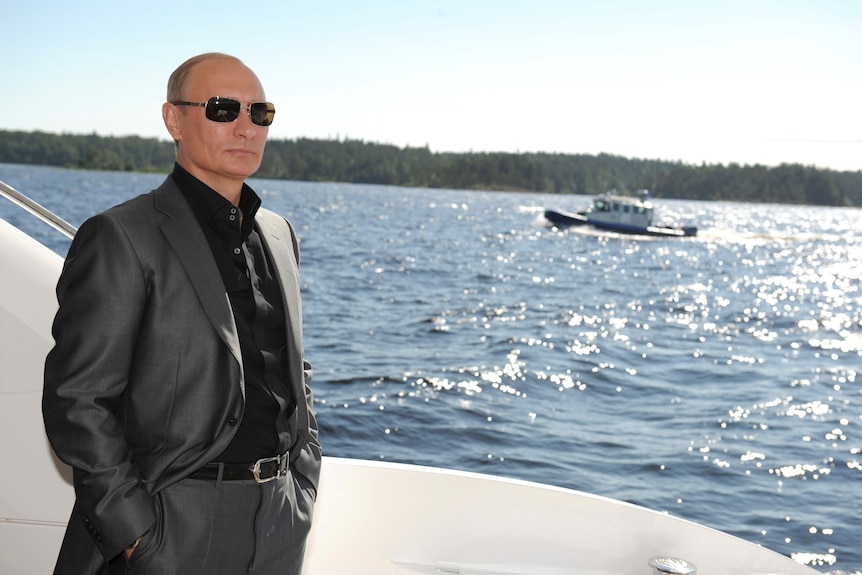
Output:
(205, 201)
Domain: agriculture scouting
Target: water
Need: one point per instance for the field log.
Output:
(715, 378)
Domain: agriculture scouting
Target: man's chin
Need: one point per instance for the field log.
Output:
(242, 166)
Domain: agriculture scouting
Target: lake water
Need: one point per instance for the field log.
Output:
(715, 378)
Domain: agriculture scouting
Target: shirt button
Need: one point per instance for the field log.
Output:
(237, 251)
(231, 421)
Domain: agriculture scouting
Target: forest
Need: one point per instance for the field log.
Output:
(357, 161)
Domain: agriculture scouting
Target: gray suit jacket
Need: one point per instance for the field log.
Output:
(145, 382)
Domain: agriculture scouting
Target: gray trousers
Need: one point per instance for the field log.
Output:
(226, 528)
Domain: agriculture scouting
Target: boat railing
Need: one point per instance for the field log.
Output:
(36, 209)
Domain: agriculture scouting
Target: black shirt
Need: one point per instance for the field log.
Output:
(258, 310)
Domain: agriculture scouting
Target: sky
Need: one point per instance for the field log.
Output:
(730, 81)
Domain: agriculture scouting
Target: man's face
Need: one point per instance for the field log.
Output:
(220, 154)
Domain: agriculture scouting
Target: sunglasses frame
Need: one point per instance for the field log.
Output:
(211, 108)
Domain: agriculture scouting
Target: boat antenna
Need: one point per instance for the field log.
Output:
(37, 210)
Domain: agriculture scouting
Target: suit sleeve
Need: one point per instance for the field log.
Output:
(102, 294)
(309, 461)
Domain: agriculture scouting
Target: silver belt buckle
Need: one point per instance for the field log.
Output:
(255, 470)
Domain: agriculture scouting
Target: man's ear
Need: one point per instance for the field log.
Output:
(172, 122)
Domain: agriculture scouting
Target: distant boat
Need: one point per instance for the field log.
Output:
(621, 214)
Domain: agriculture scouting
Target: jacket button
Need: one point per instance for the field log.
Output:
(231, 420)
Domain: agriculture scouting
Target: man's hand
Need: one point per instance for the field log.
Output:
(131, 548)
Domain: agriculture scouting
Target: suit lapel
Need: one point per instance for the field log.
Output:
(278, 241)
(275, 234)
(183, 232)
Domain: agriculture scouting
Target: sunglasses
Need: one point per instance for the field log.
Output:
(227, 110)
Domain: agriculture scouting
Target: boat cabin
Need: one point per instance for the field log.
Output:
(613, 209)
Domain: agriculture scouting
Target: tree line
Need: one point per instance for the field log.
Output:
(357, 161)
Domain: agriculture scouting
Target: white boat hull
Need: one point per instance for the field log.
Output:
(397, 519)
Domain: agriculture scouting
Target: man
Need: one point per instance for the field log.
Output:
(177, 389)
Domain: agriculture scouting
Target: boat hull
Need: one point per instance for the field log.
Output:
(569, 219)
(393, 519)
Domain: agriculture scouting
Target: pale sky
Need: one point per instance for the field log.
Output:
(742, 81)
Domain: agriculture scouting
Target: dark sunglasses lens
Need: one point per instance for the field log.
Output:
(262, 113)
(222, 109)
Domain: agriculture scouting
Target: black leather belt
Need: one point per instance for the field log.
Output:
(262, 470)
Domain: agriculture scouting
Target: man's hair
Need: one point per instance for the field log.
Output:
(179, 80)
